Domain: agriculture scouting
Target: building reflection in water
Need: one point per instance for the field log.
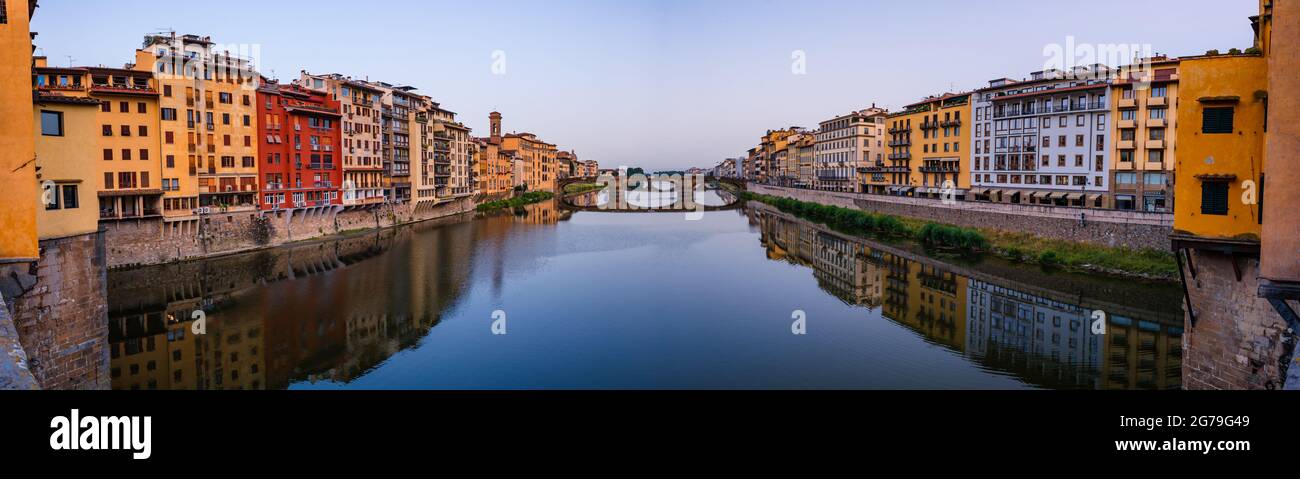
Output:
(1005, 320)
(316, 326)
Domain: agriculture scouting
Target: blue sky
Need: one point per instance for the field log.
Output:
(659, 84)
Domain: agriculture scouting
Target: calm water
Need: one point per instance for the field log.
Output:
(632, 300)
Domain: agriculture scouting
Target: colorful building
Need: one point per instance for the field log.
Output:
(927, 150)
(208, 122)
(361, 150)
(453, 156)
(17, 151)
(1230, 188)
(1145, 109)
(495, 168)
(131, 187)
(299, 136)
(66, 152)
(539, 167)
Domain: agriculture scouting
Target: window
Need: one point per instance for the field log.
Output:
(1216, 120)
(70, 199)
(171, 161)
(1159, 91)
(169, 114)
(144, 130)
(108, 154)
(1157, 113)
(1156, 133)
(1214, 198)
(1156, 156)
(1125, 178)
(126, 154)
(144, 154)
(167, 92)
(170, 137)
(140, 108)
(4, 13)
(51, 123)
(106, 107)
(1153, 179)
(126, 130)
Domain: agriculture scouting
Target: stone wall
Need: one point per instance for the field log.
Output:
(1131, 229)
(14, 373)
(1238, 340)
(157, 241)
(62, 321)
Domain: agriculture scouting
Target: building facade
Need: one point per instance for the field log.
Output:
(17, 170)
(539, 158)
(300, 137)
(845, 144)
(66, 153)
(1046, 140)
(1145, 109)
(927, 150)
(208, 124)
(361, 150)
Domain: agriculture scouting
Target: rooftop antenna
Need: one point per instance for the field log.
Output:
(70, 60)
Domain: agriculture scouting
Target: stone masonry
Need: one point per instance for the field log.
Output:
(1130, 229)
(155, 241)
(62, 322)
(1238, 341)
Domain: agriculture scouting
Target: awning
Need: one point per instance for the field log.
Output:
(1033, 195)
(1048, 195)
(994, 193)
(981, 192)
(1093, 198)
(1074, 196)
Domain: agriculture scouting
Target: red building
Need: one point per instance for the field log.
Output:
(300, 132)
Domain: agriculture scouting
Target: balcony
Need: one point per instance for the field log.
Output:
(896, 130)
(1157, 123)
(1158, 101)
(950, 123)
(1126, 144)
(1126, 124)
(941, 169)
(928, 125)
(323, 184)
(900, 156)
(1155, 144)
(897, 143)
(885, 169)
(1128, 103)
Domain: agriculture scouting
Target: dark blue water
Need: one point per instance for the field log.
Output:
(632, 300)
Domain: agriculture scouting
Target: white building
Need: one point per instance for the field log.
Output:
(1044, 140)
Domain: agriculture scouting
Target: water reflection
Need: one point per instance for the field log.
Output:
(409, 308)
(1039, 334)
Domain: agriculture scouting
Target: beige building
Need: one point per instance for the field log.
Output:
(1146, 116)
(846, 143)
(363, 164)
(453, 155)
(65, 154)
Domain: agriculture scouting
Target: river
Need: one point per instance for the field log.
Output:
(545, 297)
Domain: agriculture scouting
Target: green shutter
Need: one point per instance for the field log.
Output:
(1217, 120)
(1214, 198)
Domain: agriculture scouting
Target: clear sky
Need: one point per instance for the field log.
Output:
(659, 84)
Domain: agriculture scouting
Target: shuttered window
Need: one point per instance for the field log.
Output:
(1216, 120)
(1214, 198)
(4, 12)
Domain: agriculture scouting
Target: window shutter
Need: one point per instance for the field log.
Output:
(1217, 120)
(1214, 198)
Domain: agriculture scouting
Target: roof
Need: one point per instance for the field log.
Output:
(945, 96)
(57, 98)
(1052, 91)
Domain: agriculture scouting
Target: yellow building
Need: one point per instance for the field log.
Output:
(539, 159)
(1221, 146)
(66, 153)
(208, 117)
(129, 166)
(927, 149)
(17, 151)
(1145, 108)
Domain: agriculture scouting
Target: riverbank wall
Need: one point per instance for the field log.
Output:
(157, 241)
(1111, 228)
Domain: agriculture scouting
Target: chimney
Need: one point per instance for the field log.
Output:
(40, 62)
